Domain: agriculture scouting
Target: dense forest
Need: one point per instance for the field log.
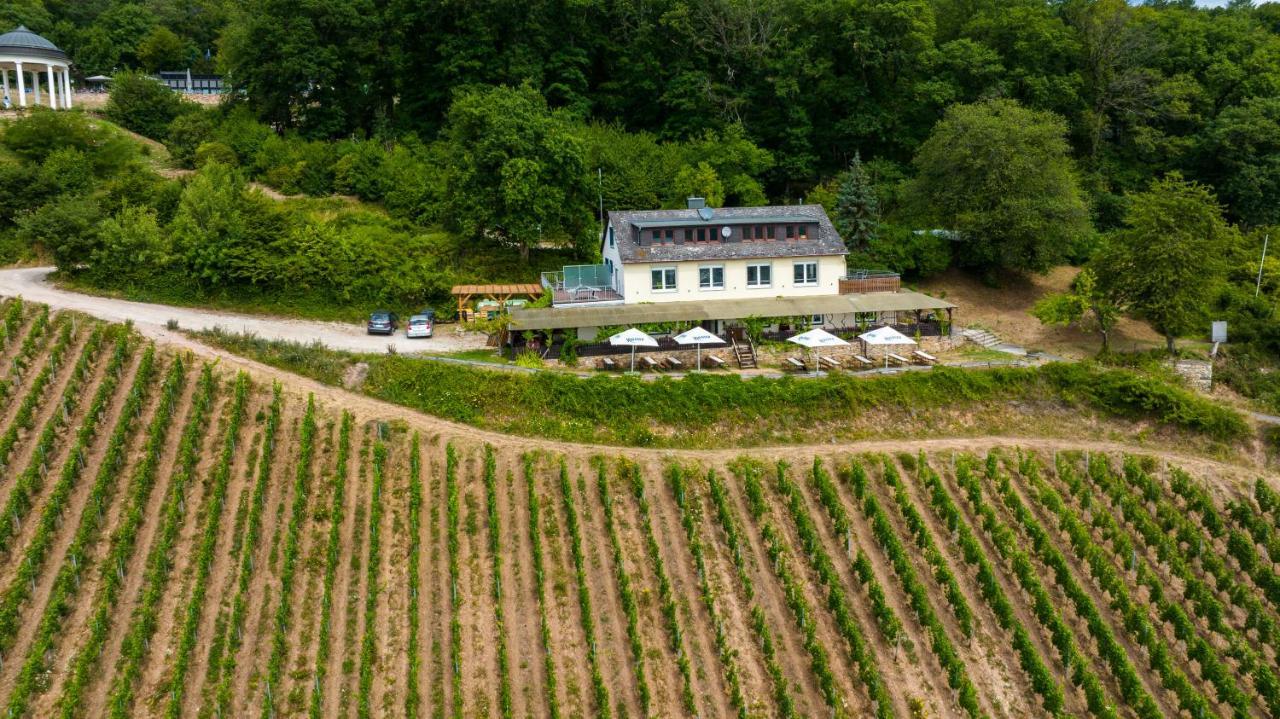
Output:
(1003, 136)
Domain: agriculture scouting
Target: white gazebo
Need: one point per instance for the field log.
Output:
(24, 53)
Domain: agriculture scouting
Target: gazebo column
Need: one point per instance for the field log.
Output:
(66, 86)
(35, 86)
(5, 71)
(53, 89)
(22, 87)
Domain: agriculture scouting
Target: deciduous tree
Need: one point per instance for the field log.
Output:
(1000, 175)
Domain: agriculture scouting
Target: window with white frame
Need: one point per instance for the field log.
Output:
(711, 277)
(663, 279)
(759, 275)
(806, 274)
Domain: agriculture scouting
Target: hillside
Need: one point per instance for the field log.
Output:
(185, 540)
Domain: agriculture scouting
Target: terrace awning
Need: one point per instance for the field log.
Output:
(701, 310)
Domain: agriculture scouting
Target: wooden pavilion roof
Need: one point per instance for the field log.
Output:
(525, 288)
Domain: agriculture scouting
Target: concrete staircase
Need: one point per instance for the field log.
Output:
(981, 337)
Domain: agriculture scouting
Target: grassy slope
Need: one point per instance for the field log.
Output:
(1062, 400)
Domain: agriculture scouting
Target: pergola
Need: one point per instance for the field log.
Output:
(498, 293)
(24, 52)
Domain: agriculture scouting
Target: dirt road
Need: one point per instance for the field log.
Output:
(30, 283)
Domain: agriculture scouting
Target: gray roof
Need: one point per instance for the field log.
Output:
(24, 42)
(627, 225)
(698, 310)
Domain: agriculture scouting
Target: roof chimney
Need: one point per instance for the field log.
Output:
(696, 203)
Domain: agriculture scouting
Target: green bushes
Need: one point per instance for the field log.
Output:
(696, 410)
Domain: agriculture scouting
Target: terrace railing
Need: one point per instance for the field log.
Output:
(863, 281)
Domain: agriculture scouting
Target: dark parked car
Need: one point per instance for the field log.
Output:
(383, 322)
(428, 313)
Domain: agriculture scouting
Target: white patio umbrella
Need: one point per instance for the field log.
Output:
(886, 335)
(815, 339)
(632, 338)
(698, 336)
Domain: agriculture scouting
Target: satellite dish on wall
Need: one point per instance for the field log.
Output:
(726, 231)
(706, 213)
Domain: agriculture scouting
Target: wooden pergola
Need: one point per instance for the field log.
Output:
(498, 293)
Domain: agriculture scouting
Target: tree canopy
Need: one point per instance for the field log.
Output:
(1000, 176)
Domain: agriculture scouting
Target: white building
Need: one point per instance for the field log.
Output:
(664, 269)
(26, 58)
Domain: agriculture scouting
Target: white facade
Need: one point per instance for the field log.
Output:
(730, 279)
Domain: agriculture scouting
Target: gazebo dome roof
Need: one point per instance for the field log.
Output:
(23, 42)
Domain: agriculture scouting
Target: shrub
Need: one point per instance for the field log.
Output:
(142, 104)
(218, 152)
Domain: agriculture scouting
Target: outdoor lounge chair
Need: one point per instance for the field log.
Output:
(794, 363)
(829, 362)
(897, 359)
(924, 357)
(863, 361)
(673, 363)
(606, 363)
(650, 363)
(714, 360)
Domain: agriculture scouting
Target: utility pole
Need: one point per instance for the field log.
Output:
(600, 192)
(1258, 285)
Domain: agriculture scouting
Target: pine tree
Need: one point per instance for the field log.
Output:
(857, 211)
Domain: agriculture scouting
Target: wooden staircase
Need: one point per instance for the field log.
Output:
(745, 352)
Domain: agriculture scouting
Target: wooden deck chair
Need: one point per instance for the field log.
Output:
(830, 362)
(863, 361)
(897, 359)
(796, 364)
(650, 363)
(673, 363)
(606, 363)
(714, 360)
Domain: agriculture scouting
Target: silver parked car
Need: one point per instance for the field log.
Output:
(419, 326)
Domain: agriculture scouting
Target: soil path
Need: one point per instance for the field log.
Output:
(347, 596)
(391, 665)
(480, 633)
(32, 285)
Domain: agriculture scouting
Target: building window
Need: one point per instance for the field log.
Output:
(657, 236)
(803, 232)
(702, 234)
(759, 275)
(611, 242)
(688, 235)
(791, 232)
(768, 232)
(806, 274)
(711, 277)
(671, 237)
(664, 279)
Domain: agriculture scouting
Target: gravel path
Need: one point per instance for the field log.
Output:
(32, 284)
